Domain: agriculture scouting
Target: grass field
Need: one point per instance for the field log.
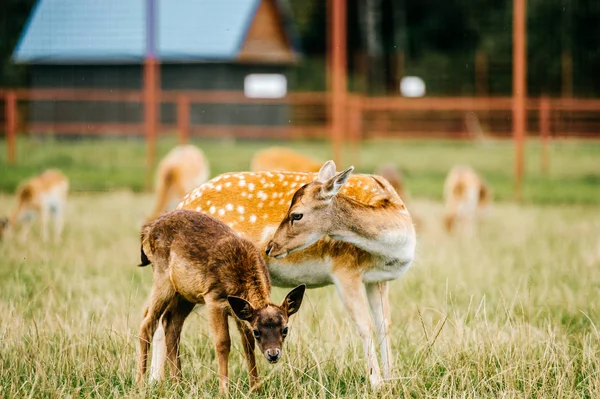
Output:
(511, 313)
(574, 175)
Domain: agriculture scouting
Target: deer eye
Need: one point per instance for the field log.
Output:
(256, 334)
(284, 331)
(296, 216)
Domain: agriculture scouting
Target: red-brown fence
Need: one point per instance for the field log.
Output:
(364, 117)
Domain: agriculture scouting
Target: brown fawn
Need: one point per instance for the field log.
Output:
(184, 168)
(197, 259)
(465, 194)
(352, 231)
(282, 158)
(44, 195)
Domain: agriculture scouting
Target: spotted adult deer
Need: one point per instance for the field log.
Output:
(197, 259)
(44, 195)
(283, 159)
(352, 231)
(185, 167)
(465, 194)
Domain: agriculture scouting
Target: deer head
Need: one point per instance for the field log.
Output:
(310, 215)
(269, 324)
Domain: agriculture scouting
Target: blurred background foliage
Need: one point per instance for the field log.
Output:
(435, 39)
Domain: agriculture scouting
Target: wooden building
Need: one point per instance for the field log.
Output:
(200, 44)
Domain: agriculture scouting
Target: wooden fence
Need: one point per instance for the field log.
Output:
(364, 117)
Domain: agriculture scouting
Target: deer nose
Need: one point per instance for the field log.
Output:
(273, 354)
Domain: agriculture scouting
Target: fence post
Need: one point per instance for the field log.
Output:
(519, 90)
(10, 109)
(183, 118)
(355, 128)
(545, 133)
(150, 115)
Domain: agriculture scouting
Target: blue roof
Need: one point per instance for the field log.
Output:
(114, 30)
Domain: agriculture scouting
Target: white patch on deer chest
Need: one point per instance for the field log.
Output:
(313, 273)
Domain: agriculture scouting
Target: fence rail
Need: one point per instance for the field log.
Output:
(365, 117)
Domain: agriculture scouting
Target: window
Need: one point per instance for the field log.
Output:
(265, 85)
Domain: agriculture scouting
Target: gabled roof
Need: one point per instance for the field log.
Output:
(113, 31)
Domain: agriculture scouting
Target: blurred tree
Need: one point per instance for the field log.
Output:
(13, 15)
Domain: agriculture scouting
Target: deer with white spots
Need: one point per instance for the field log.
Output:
(323, 228)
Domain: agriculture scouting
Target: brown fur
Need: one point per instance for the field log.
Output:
(197, 259)
(182, 169)
(361, 233)
(282, 158)
(46, 195)
(465, 194)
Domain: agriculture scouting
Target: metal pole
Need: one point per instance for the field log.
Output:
(519, 90)
(338, 76)
(150, 89)
(11, 124)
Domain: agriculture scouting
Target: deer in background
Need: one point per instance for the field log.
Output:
(184, 168)
(282, 158)
(196, 259)
(465, 194)
(44, 195)
(352, 231)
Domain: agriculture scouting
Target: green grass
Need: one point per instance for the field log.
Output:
(100, 165)
(512, 312)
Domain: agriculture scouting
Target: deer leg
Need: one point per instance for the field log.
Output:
(351, 290)
(248, 342)
(44, 222)
(173, 319)
(162, 293)
(377, 294)
(59, 221)
(217, 317)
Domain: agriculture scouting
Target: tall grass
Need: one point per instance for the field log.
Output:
(511, 312)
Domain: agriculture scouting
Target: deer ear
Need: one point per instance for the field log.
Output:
(293, 300)
(327, 172)
(332, 186)
(241, 307)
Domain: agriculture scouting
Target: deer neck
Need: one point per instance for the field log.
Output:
(383, 229)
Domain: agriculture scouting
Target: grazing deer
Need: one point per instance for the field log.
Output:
(185, 167)
(465, 193)
(352, 231)
(46, 195)
(282, 158)
(394, 177)
(197, 259)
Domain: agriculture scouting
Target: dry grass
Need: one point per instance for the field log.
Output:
(512, 312)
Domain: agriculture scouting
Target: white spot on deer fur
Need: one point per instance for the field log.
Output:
(226, 177)
(229, 207)
(242, 218)
(281, 201)
(251, 186)
(252, 218)
(261, 205)
(242, 182)
(221, 212)
(198, 208)
(216, 179)
(265, 216)
(240, 209)
(218, 187)
(285, 183)
(274, 195)
(208, 202)
(228, 184)
(366, 187)
(212, 209)
(269, 174)
(290, 192)
(243, 194)
(271, 203)
(297, 178)
(263, 180)
(250, 196)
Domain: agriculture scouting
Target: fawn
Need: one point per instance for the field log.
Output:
(197, 259)
(323, 228)
(185, 167)
(465, 193)
(46, 195)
